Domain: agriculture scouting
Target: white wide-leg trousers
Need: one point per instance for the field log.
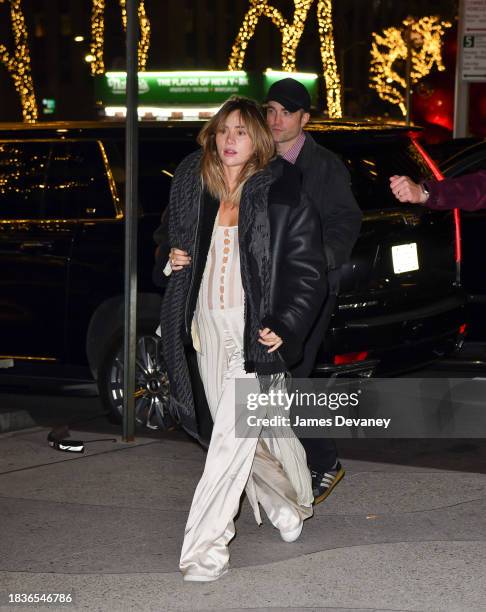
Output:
(235, 463)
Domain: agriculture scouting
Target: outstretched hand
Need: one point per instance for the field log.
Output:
(405, 190)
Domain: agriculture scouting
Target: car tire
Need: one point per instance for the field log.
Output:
(151, 380)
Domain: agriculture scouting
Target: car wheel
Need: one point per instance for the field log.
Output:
(151, 382)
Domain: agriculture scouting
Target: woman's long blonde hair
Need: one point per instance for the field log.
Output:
(263, 148)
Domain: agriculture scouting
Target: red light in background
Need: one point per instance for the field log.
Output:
(350, 357)
(439, 176)
(433, 105)
(430, 162)
(462, 329)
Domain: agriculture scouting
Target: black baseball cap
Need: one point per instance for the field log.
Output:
(291, 94)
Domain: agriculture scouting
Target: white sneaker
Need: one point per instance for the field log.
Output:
(293, 534)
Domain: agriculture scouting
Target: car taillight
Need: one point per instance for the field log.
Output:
(350, 357)
(457, 218)
(462, 328)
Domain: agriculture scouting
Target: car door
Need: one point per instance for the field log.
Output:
(473, 269)
(35, 246)
(96, 267)
(158, 160)
(405, 255)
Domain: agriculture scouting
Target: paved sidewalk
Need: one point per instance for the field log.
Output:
(404, 530)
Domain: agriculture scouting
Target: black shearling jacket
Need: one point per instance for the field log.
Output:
(283, 269)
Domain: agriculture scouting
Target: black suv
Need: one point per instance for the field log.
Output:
(61, 254)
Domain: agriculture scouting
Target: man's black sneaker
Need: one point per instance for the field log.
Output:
(324, 483)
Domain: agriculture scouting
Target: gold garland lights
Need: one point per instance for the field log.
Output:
(328, 56)
(98, 30)
(18, 63)
(391, 47)
(291, 35)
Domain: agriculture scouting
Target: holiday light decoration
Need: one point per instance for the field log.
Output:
(18, 63)
(291, 35)
(331, 75)
(98, 31)
(144, 42)
(291, 32)
(389, 52)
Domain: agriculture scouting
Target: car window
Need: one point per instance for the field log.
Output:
(23, 168)
(371, 165)
(157, 163)
(78, 185)
(371, 169)
(469, 166)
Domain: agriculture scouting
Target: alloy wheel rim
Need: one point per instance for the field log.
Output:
(151, 382)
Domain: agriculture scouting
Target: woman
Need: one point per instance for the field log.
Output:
(246, 297)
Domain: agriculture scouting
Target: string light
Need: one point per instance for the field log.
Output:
(98, 32)
(389, 52)
(291, 35)
(97, 35)
(331, 75)
(144, 42)
(18, 63)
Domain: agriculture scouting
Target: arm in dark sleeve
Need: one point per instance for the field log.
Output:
(341, 217)
(302, 283)
(467, 192)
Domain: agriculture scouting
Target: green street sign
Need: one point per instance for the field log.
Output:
(177, 88)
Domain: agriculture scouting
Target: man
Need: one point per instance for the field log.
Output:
(467, 192)
(326, 183)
